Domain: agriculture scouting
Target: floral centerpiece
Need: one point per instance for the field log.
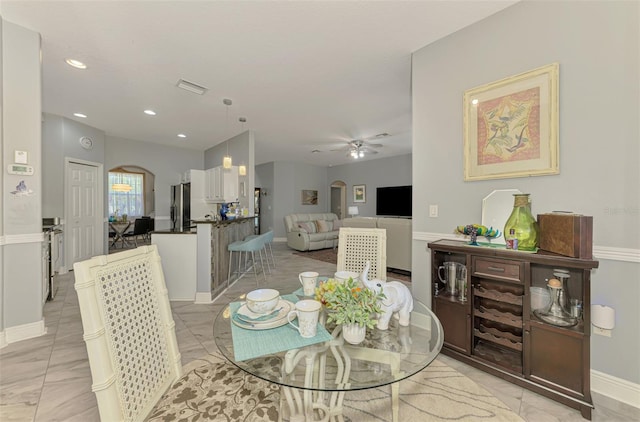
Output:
(349, 302)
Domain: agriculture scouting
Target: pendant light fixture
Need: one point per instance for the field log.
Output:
(227, 161)
(121, 187)
(242, 169)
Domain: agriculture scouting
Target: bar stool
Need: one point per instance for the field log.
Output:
(245, 246)
(268, 239)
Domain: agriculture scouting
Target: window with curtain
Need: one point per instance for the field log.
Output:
(126, 194)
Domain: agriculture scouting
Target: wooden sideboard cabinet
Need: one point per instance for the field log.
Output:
(495, 328)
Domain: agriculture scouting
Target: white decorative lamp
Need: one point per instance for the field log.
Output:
(353, 211)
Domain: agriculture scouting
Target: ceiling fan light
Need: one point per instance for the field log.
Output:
(361, 154)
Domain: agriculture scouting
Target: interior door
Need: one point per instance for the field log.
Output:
(83, 224)
(338, 199)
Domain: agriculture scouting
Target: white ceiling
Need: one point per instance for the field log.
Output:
(307, 75)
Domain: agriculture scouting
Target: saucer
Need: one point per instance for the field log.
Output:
(240, 317)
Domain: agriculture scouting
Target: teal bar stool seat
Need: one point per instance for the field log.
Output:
(268, 250)
(245, 247)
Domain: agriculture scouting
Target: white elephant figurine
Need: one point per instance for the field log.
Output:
(398, 302)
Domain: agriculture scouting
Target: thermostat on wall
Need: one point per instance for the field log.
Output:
(20, 169)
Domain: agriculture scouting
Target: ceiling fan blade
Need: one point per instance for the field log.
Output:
(344, 148)
(374, 145)
(378, 136)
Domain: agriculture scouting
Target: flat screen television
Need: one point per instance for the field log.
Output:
(394, 201)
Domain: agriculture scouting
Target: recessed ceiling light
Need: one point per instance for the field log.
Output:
(76, 63)
(181, 135)
(150, 112)
(84, 116)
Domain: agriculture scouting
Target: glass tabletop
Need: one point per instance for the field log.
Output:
(384, 357)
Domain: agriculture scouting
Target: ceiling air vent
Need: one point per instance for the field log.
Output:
(191, 87)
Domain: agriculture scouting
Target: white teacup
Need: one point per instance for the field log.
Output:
(343, 276)
(307, 311)
(262, 301)
(308, 280)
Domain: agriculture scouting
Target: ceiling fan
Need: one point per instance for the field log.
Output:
(358, 148)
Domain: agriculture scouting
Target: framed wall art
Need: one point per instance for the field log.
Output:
(309, 197)
(359, 193)
(511, 126)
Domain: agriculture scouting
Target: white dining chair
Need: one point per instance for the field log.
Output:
(356, 246)
(133, 353)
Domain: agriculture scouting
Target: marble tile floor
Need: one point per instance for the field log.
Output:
(48, 378)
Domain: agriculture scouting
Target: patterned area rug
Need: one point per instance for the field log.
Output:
(439, 393)
(331, 255)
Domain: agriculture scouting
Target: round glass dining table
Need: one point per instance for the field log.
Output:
(314, 378)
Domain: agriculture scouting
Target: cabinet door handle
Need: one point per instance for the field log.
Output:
(498, 269)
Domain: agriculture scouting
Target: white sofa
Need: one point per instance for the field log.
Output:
(309, 232)
(399, 234)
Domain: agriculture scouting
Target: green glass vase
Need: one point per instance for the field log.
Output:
(522, 222)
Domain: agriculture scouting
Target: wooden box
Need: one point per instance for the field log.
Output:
(566, 234)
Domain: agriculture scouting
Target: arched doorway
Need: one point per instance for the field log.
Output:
(338, 199)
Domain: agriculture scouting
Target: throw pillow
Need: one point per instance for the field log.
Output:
(307, 226)
(324, 226)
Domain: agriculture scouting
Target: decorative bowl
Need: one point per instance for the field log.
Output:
(342, 276)
(262, 301)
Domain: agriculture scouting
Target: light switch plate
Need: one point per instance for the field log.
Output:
(20, 157)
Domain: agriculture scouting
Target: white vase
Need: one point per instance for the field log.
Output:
(354, 333)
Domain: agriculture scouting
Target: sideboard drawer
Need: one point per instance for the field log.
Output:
(499, 269)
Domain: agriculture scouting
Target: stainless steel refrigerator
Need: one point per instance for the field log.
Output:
(181, 206)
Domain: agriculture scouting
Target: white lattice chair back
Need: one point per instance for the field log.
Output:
(356, 246)
(128, 330)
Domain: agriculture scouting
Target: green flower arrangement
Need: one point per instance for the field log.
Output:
(349, 302)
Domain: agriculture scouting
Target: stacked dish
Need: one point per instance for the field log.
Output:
(245, 318)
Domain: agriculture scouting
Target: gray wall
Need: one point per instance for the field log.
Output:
(165, 162)
(596, 45)
(242, 150)
(284, 182)
(264, 181)
(21, 226)
(392, 171)
(290, 179)
(60, 139)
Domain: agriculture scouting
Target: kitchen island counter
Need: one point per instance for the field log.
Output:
(196, 267)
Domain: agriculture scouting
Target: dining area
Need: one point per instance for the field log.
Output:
(299, 348)
(282, 335)
(444, 390)
(126, 234)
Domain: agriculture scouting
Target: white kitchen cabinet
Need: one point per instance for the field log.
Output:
(222, 185)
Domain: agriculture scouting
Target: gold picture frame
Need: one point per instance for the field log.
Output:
(309, 197)
(511, 126)
(359, 193)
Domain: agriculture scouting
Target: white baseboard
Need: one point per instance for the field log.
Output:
(3, 339)
(280, 239)
(615, 388)
(202, 298)
(25, 331)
